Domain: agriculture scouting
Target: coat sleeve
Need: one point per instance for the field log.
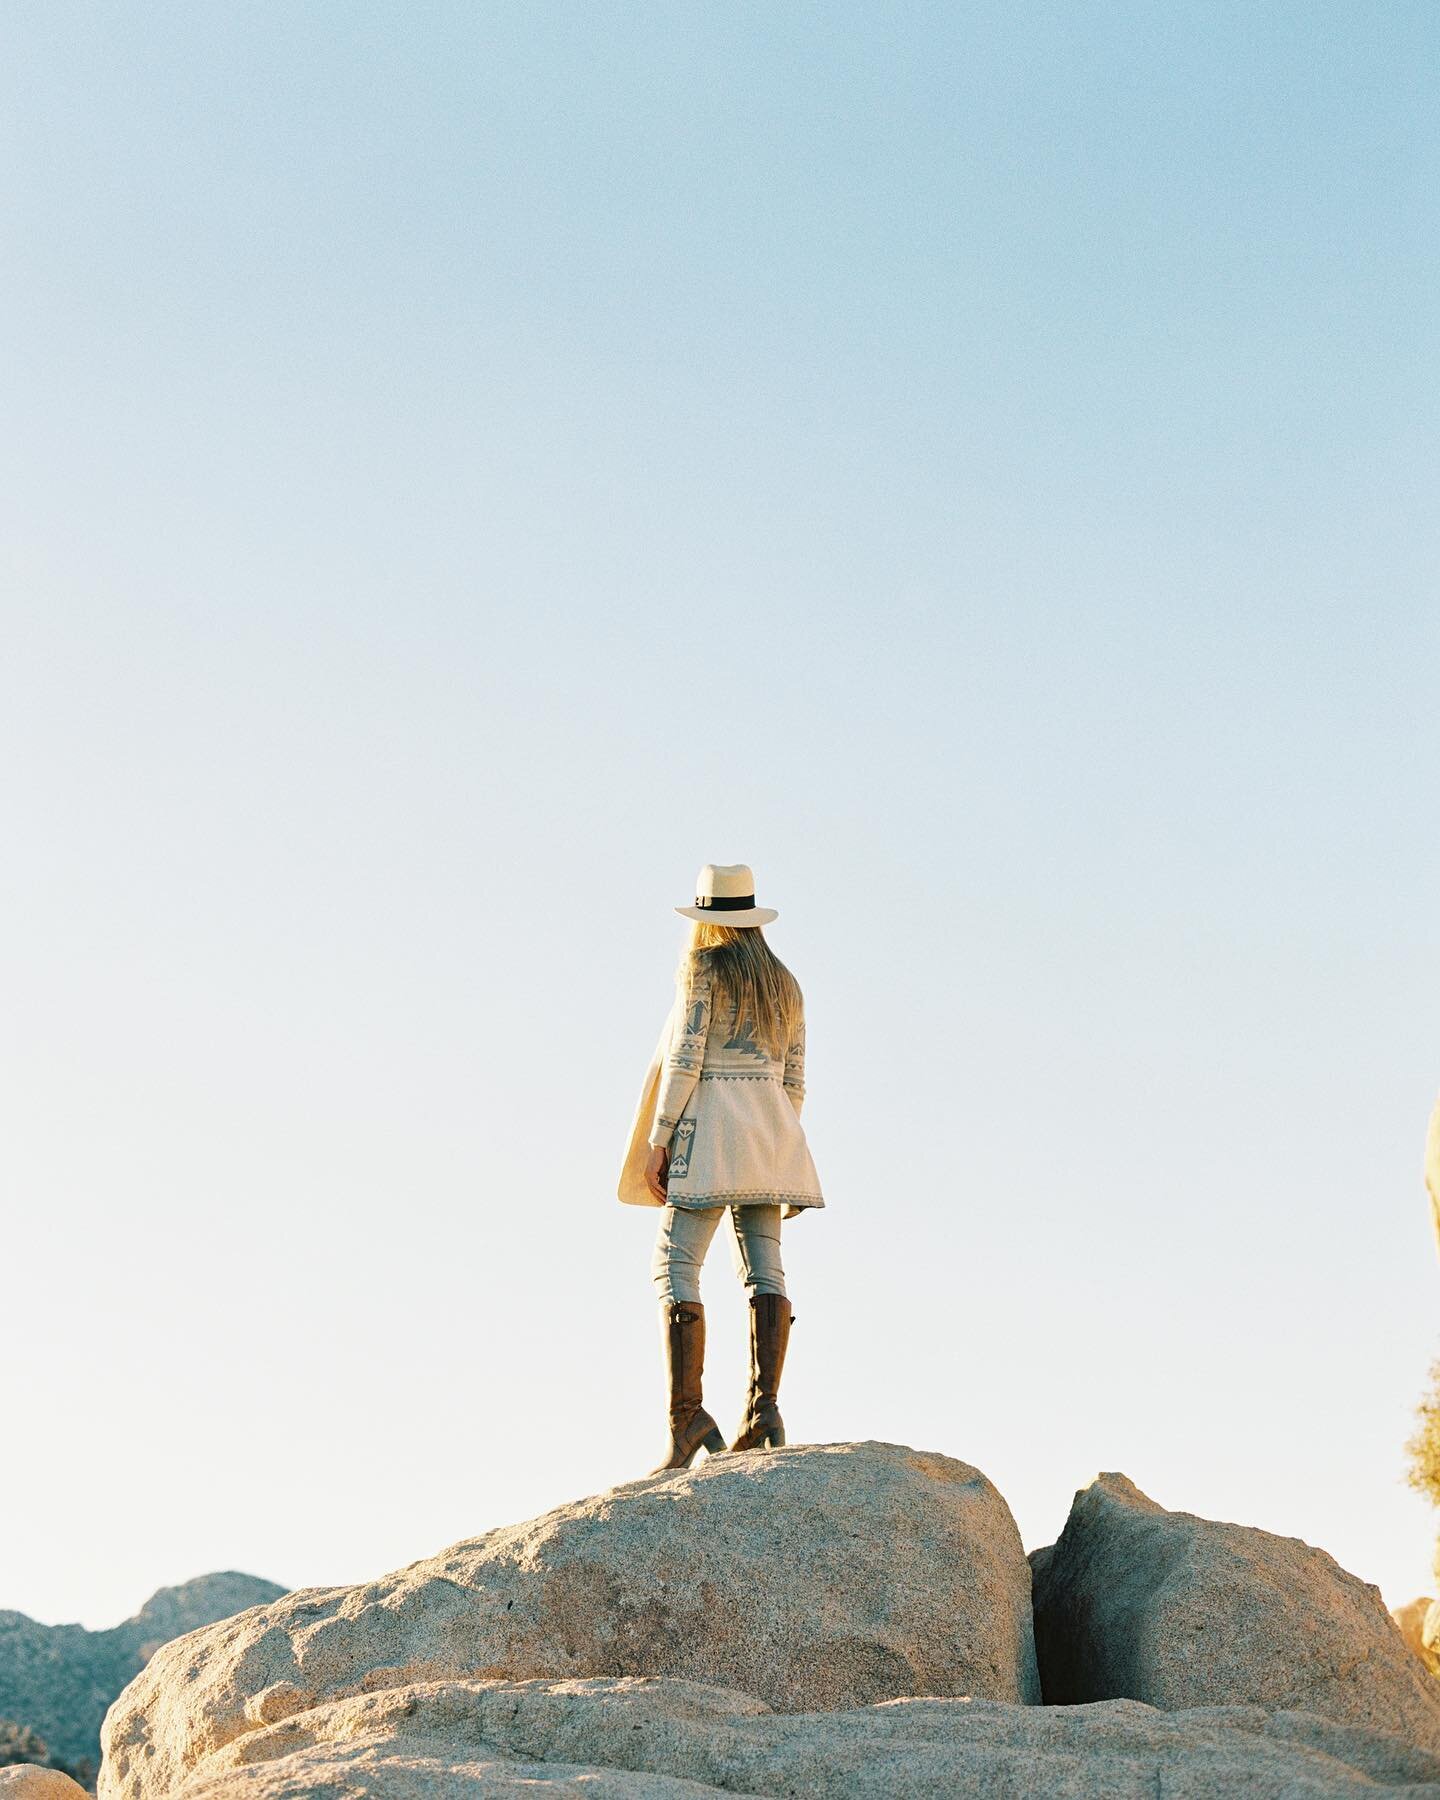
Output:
(684, 1057)
(795, 1067)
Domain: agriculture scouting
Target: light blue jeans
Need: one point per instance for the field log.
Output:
(685, 1234)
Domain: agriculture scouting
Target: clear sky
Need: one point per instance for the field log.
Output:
(467, 466)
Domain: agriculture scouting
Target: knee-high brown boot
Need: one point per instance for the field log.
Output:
(770, 1321)
(691, 1427)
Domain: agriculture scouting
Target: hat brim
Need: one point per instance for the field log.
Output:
(712, 915)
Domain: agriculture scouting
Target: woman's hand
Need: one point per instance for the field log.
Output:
(657, 1171)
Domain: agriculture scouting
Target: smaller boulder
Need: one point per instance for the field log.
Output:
(1430, 1638)
(1136, 1602)
(1410, 1621)
(28, 1781)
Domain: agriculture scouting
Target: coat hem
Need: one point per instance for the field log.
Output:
(745, 1197)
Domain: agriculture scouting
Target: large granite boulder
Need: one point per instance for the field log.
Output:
(1179, 1611)
(612, 1739)
(59, 1679)
(813, 1577)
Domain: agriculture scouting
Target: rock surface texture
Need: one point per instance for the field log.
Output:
(59, 1679)
(460, 1740)
(1415, 1619)
(23, 1781)
(818, 1577)
(824, 1620)
(1134, 1601)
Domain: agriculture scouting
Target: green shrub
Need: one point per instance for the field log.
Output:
(20, 1744)
(1423, 1449)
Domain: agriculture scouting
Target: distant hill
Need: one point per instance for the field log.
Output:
(59, 1679)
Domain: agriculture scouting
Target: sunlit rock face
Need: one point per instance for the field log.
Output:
(24, 1781)
(59, 1679)
(1179, 1611)
(813, 1577)
(824, 1620)
(608, 1737)
(1419, 1625)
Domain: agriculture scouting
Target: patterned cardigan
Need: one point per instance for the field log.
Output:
(726, 1109)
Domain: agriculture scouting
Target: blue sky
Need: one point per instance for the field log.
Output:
(467, 467)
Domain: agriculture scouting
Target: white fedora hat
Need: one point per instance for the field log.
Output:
(725, 895)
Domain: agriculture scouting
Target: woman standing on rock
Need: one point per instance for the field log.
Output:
(717, 1129)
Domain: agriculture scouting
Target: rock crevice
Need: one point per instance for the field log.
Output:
(1136, 1602)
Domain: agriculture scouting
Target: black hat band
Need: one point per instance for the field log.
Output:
(725, 902)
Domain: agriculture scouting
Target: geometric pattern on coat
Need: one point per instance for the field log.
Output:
(729, 1111)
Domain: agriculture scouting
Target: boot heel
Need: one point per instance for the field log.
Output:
(713, 1441)
(775, 1439)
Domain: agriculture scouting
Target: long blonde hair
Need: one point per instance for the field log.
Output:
(748, 974)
